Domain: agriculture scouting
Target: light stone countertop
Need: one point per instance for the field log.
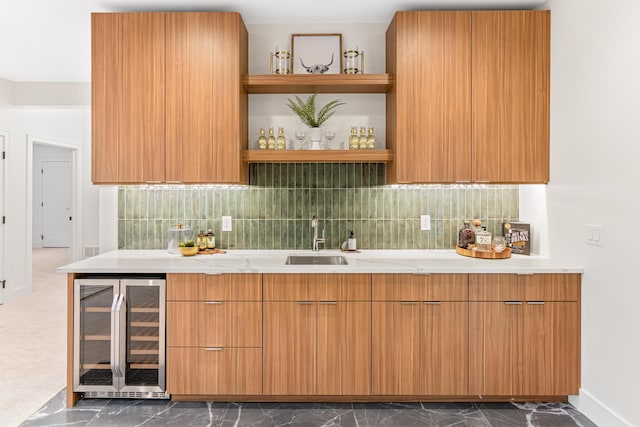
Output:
(273, 261)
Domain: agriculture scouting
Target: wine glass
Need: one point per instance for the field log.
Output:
(329, 134)
(300, 137)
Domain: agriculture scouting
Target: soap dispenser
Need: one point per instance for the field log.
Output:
(351, 242)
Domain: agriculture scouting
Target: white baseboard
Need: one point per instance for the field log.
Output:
(14, 294)
(597, 411)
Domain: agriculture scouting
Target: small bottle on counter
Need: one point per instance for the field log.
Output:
(351, 242)
(466, 236)
(483, 240)
(371, 139)
(211, 239)
(201, 241)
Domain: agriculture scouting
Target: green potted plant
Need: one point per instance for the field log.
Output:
(306, 111)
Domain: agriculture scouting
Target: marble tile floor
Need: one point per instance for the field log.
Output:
(154, 413)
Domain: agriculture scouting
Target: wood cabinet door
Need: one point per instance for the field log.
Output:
(344, 348)
(551, 348)
(128, 97)
(510, 95)
(206, 103)
(290, 347)
(206, 371)
(429, 109)
(444, 348)
(495, 343)
(395, 348)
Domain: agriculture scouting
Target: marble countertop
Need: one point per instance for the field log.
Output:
(273, 261)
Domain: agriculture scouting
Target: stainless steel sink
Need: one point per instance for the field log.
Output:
(316, 260)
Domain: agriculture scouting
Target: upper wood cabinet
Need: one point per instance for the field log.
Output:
(428, 109)
(128, 108)
(510, 95)
(470, 101)
(168, 102)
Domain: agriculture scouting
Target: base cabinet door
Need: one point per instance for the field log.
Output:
(214, 370)
(344, 348)
(290, 347)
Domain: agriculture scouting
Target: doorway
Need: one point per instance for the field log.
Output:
(52, 197)
(3, 180)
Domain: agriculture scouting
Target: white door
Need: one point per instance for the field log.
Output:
(3, 180)
(56, 204)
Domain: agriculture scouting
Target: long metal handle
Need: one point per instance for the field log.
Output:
(535, 302)
(513, 302)
(114, 326)
(118, 336)
(213, 349)
(329, 302)
(213, 302)
(432, 302)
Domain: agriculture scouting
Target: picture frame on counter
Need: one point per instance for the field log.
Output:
(316, 53)
(518, 237)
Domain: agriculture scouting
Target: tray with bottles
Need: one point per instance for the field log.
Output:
(473, 252)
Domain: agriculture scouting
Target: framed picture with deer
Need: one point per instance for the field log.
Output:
(316, 53)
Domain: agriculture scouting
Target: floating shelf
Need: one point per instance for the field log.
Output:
(325, 83)
(318, 156)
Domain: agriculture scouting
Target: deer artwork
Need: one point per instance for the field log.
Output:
(317, 68)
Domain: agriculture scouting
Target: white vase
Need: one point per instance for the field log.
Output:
(315, 135)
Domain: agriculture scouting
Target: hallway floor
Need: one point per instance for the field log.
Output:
(33, 372)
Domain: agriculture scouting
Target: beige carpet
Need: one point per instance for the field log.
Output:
(33, 341)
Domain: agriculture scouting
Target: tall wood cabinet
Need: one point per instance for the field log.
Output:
(168, 104)
(470, 101)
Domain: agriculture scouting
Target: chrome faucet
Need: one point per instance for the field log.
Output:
(316, 240)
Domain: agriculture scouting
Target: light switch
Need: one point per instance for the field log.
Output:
(425, 222)
(226, 223)
(594, 235)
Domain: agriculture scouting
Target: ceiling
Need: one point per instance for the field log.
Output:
(50, 41)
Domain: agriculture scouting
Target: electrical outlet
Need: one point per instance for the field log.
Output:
(226, 223)
(425, 222)
(594, 235)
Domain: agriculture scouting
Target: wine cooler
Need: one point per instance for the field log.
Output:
(119, 337)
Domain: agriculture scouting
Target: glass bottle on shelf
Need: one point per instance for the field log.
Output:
(281, 142)
(271, 140)
(466, 236)
(363, 139)
(262, 140)
(371, 139)
(354, 143)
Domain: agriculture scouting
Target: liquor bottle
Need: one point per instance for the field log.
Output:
(363, 139)
(371, 140)
(466, 236)
(271, 140)
(353, 139)
(211, 239)
(483, 240)
(201, 241)
(262, 140)
(281, 142)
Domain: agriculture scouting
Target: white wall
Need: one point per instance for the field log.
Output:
(595, 142)
(70, 127)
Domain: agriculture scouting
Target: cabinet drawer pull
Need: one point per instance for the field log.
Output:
(432, 302)
(306, 302)
(213, 349)
(152, 182)
(513, 302)
(329, 302)
(535, 302)
(213, 302)
(463, 181)
(408, 302)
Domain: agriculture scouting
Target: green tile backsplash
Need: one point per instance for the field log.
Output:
(274, 210)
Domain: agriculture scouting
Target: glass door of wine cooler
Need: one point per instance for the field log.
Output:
(143, 361)
(93, 358)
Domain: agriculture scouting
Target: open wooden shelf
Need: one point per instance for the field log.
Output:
(318, 156)
(324, 83)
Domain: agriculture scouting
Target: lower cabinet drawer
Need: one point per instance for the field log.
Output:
(227, 371)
